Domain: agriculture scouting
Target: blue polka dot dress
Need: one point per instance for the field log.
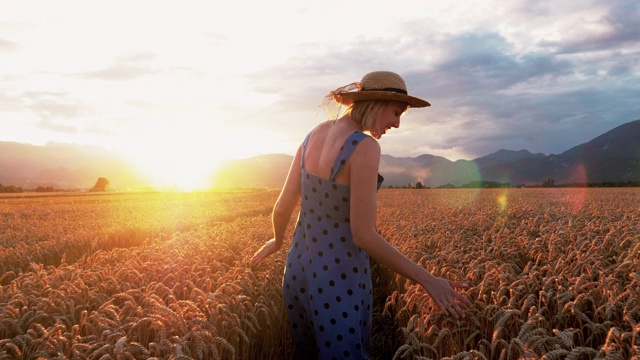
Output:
(327, 284)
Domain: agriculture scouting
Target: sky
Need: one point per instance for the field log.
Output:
(179, 86)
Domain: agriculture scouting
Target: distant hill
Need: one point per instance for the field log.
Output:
(264, 171)
(63, 166)
(611, 157)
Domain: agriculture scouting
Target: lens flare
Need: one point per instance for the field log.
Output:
(576, 198)
(502, 201)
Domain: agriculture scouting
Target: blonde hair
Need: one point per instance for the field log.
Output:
(367, 112)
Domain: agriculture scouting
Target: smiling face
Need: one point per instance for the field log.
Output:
(388, 118)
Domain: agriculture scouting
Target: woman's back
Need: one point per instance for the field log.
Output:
(323, 147)
(327, 286)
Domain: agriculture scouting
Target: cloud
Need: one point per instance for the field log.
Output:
(46, 124)
(318, 68)
(57, 111)
(8, 46)
(474, 63)
(8, 102)
(515, 96)
(216, 39)
(52, 108)
(125, 68)
(490, 90)
(619, 27)
(542, 75)
(112, 125)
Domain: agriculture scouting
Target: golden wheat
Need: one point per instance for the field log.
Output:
(553, 273)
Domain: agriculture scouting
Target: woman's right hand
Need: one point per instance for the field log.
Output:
(265, 251)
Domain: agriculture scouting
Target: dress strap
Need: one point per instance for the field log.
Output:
(304, 149)
(345, 152)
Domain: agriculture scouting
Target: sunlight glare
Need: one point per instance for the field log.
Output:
(186, 156)
(181, 168)
(175, 156)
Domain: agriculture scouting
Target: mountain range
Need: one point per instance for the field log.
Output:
(64, 166)
(611, 157)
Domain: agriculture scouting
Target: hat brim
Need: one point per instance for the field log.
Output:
(349, 98)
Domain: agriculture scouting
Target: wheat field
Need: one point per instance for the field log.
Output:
(552, 274)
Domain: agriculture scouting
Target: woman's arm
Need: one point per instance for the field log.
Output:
(286, 203)
(288, 199)
(363, 176)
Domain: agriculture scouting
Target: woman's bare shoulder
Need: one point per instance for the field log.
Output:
(368, 146)
(366, 156)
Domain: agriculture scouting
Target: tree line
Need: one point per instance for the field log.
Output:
(10, 189)
(18, 189)
(547, 183)
(102, 184)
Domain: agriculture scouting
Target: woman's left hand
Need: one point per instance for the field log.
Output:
(265, 251)
(443, 293)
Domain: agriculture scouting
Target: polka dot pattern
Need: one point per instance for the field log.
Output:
(327, 282)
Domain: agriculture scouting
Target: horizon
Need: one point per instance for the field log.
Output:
(78, 159)
(54, 143)
(162, 83)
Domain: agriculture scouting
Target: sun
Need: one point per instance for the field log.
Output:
(187, 173)
(187, 155)
(189, 161)
(176, 159)
(181, 168)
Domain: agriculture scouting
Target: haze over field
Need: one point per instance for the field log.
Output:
(178, 88)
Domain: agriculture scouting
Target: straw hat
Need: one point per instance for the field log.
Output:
(377, 85)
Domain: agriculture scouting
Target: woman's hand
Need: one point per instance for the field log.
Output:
(443, 293)
(265, 251)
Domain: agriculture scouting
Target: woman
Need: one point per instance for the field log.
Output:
(327, 283)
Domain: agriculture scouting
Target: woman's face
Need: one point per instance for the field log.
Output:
(389, 118)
